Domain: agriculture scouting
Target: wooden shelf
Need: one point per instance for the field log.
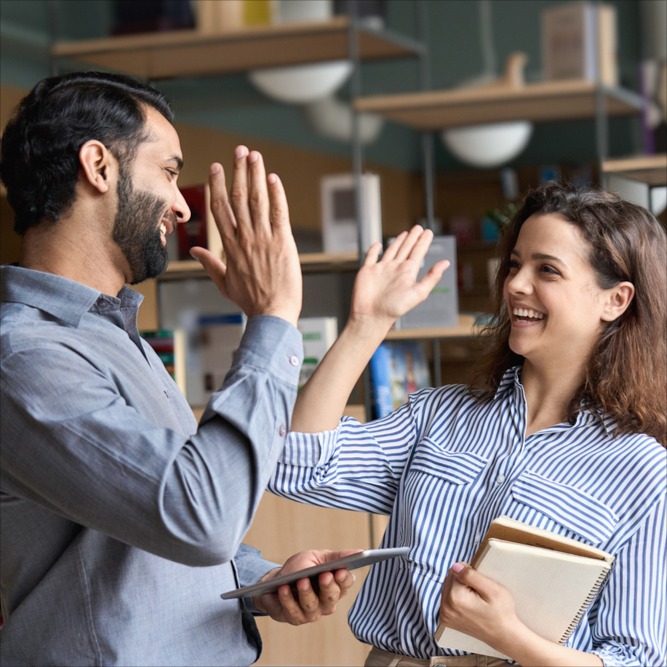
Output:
(650, 169)
(465, 329)
(312, 262)
(192, 53)
(538, 102)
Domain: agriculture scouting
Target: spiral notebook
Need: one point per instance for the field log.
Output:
(553, 579)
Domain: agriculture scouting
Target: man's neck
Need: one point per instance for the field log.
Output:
(65, 249)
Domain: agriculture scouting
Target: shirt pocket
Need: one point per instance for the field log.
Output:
(453, 467)
(438, 487)
(566, 506)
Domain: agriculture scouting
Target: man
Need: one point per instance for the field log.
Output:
(122, 519)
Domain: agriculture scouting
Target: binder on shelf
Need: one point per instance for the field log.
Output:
(213, 344)
(553, 579)
(579, 42)
(441, 307)
(339, 213)
(319, 334)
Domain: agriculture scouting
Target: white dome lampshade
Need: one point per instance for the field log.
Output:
(301, 84)
(333, 119)
(490, 145)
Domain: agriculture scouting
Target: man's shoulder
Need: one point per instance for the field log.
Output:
(27, 294)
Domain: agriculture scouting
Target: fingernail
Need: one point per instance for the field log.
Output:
(457, 567)
(272, 178)
(241, 151)
(253, 156)
(215, 168)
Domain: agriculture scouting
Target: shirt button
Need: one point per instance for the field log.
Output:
(282, 430)
(500, 479)
(294, 360)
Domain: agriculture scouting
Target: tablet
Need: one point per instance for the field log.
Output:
(351, 562)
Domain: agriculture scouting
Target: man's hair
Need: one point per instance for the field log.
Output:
(39, 157)
(626, 374)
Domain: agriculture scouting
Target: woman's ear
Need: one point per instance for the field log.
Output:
(619, 298)
(96, 162)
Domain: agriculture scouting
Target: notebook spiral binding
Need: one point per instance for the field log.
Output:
(585, 605)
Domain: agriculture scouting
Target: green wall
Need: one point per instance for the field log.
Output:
(455, 57)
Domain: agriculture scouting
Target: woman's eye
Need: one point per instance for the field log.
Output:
(550, 269)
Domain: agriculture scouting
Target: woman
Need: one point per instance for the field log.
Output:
(564, 429)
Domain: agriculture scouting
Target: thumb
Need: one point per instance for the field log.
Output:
(468, 576)
(213, 265)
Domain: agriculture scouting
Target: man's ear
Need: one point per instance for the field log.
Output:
(97, 164)
(619, 298)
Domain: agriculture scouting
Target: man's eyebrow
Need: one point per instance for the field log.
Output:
(178, 160)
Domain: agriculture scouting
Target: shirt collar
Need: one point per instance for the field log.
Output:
(64, 299)
(511, 381)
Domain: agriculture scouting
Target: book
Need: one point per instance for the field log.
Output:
(194, 231)
(579, 42)
(397, 369)
(553, 579)
(170, 346)
(441, 306)
(319, 334)
(214, 343)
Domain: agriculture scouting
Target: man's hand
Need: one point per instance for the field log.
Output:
(307, 605)
(261, 272)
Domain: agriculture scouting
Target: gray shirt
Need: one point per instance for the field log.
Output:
(121, 519)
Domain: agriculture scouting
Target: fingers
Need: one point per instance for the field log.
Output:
(372, 254)
(238, 193)
(410, 245)
(257, 196)
(303, 604)
(278, 209)
(418, 240)
(220, 208)
(392, 249)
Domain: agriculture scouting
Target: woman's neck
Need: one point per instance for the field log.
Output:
(548, 395)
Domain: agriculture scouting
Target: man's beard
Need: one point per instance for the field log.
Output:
(137, 232)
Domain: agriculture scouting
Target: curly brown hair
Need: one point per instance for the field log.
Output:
(626, 374)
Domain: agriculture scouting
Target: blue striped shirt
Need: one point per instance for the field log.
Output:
(446, 464)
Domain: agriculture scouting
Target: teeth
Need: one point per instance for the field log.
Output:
(527, 312)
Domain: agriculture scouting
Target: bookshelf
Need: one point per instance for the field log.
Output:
(649, 169)
(193, 53)
(310, 263)
(538, 102)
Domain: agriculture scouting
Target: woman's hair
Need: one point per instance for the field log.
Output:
(39, 157)
(626, 374)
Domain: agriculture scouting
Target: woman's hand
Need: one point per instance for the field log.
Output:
(386, 288)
